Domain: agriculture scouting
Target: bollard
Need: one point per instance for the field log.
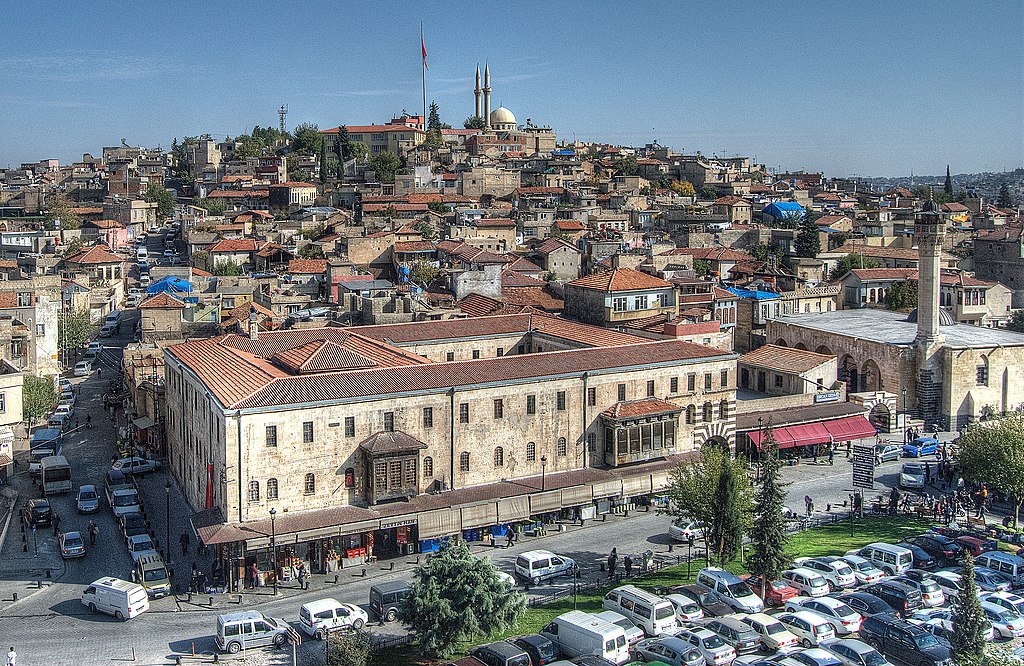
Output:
(604, 517)
(335, 579)
(364, 573)
(392, 567)
(216, 658)
(670, 547)
(15, 595)
(602, 565)
(211, 602)
(417, 559)
(190, 596)
(193, 648)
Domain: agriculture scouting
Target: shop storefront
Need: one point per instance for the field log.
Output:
(395, 537)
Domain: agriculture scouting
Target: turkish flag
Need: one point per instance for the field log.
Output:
(423, 48)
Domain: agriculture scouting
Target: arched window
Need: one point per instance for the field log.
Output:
(708, 412)
(464, 462)
(723, 409)
(691, 414)
(271, 489)
(982, 379)
(428, 467)
(254, 491)
(499, 456)
(561, 447)
(309, 488)
(531, 451)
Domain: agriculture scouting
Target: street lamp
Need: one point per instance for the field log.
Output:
(760, 446)
(543, 467)
(903, 392)
(273, 543)
(167, 519)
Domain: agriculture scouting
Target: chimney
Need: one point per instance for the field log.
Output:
(254, 325)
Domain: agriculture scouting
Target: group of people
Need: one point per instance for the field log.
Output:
(628, 562)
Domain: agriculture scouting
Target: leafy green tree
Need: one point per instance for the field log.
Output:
(729, 524)
(211, 206)
(434, 120)
(74, 330)
(1004, 200)
(1016, 322)
(808, 239)
(455, 597)
(423, 273)
(38, 397)
(768, 534)
(759, 251)
(627, 166)
(385, 164)
(902, 295)
(72, 247)
(163, 198)
(426, 230)
(439, 208)
(200, 257)
(701, 267)
(683, 188)
(947, 187)
(247, 147)
(348, 648)
(59, 206)
(311, 251)
(693, 491)
(708, 192)
(359, 151)
(849, 262)
(474, 122)
(308, 139)
(993, 454)
(227, 267)
(969, 621)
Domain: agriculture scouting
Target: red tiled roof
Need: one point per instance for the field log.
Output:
(511, 278)
(829, 220)
(307, 266)
(104, 224)
(1006, 234)
(470, 253)
(97, 254)
(238, 194)
(234, 245)
(495, 222)
(541, 298)
(569, 225)
(162, 300)
(199, 272)
(731, 200)
(415, 246)
(321, 356)
(946, 277)
(552, 244)
(622, 279)
(785, 359)
(634, 409)
(523, 265)
(8, 263)
(391, 442)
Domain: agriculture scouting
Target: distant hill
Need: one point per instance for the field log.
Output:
(984, 184)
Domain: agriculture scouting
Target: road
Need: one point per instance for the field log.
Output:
(51, 626)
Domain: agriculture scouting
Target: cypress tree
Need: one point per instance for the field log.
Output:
(727, 526)
(948, 187)
(1004, 200)
(969, 621)
(768, 535)
(808, 242)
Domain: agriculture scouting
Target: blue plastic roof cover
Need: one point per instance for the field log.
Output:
(171, 283)
(750, 293)
(783, 209)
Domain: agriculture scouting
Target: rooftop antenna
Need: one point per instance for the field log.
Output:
(281, 113)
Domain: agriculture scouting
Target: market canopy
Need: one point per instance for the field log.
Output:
(807, 434)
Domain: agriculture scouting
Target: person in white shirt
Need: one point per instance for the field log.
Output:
(12, 657)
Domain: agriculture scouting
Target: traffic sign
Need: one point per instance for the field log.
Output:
(863, 466)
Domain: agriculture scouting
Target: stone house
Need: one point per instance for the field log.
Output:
(161, 317)
(775, 370)
(613, 297)
(559, 257)
(736, 209)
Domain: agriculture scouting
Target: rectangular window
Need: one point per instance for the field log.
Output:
(619, 304)
(622, 392)
(389, 421)
(3, 402)
(410, 472)
(476, 353)
(428, 417)
(592, 397)
(591, 442)
(307, 432)
(499, 408)
(707, 381)
(725, 379)
(449, 356)
(778, 381)
(673, 385)
(501, 351)
(272, 435)
(350, 426)
(641, 302)
(531, 404)
(982, 373)
(650, 388)
(560, 401)
(464, 412)
(691, 382)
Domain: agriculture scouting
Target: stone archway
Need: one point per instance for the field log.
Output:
(848, 373)
(880, 417)
(781, 342)
(824, 350)
(870, 377)
(801, 346)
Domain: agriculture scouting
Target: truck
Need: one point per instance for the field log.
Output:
(45, 442)
(122, 496)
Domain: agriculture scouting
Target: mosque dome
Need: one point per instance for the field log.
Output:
(945, 318)
(502, 116)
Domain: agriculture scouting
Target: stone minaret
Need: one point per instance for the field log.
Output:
(477, 91)
(929, 231)
(487, 97)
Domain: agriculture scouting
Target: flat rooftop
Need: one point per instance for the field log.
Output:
(892, 328)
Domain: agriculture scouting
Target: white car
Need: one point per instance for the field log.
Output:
(837, 571)
(930, 615)
(774, 635)
(1007, 600)
(810, 628)
(687, 609)
(64, 409)
(806, 581)
(1007, 623)
(135, 465)
(683, 529)
(844, 620)
(853, 652)
(715, 651)
(139, 545)
(864, 570)
(931, 594)
(319, 618)
(949, 582)
(912, 476)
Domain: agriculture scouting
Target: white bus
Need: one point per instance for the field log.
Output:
(56, 475)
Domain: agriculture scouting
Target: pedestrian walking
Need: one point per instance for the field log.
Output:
(12, 657)
(831, 456)
(927, 473)
(814, 448)
(981, 511)
(88, 420)
(184, 543)
(627, 562)
(302, 576)
(810, 509)
(848, 445)
(508, 537)
(613, 557)
(807, 504)
(93, 531)
(76, 423)
(56, 523)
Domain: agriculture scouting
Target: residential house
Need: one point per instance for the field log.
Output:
(999, 255)
(161, 317)
(560, 258)
(614, 297)
(774, 370)
(736, 209)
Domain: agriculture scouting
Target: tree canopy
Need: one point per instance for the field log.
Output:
(308, 139)
(60, 207)
(768, 535)
(211, 206)
(683, 188)
(434, 119)
(849, 262)
(385, 164)
(474, 122)
(991, 452)
(163, 198)
(969, 621)
(226, 267)
(1016, 322)
(902, 295)
(708, 192)
(455, 596)
(74, 329)
(38, 397)
(627, 165)
(1004, 200)
(808, 239)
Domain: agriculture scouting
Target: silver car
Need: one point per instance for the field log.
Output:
(88, 500)
(853, 652)
(670, 650)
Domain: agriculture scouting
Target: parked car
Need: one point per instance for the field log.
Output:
(687, 608)
(948, 581)
(902, 640)
(773, 633)
(708, 600)
(844, 620)
(38, 512)
(135, 466)
(866, 604)
(836, 571)
(904, 599)
(252, 628)
(541, 650)
(810, 628)
(986, 579)
(922, 446)
(922, 581)
(942, 628)
(634, 634)
(912, 476)
(921, 558)
(946, 551)
(864, 570)
(816, 657)
(683, 529)
(318, 618)
(1007, 600)
(140, 544)
(806, 581)
(1007, 623)
(83, 369)
(710, 645)
(71, 545)
(536, 566)
(776, 594)
(670, 650)
(739, 635)
(132, 524)
(887, 452)
(87, 500)
(853, 652)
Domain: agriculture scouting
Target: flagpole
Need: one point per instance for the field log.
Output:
(423, 76)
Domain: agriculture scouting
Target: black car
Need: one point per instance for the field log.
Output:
(501, 653)
(903, 598)
(588, 660)
(946, 551)
(866, 604)
(541, 650)
(907, 642)
(38, 512)
(132, 524)
(922, 560)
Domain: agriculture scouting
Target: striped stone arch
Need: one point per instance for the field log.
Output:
(724, 430)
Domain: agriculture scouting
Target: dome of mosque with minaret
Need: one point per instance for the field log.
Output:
(502, 120)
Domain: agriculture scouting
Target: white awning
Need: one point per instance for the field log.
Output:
(439, 523)
(143, 423)
(481, 515)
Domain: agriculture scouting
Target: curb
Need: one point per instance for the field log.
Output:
(10, 515)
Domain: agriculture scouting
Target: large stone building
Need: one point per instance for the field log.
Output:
(999, 255)
(350, 435)
(943, 372)
(615, 297)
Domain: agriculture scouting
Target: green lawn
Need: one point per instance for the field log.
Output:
(828, 540)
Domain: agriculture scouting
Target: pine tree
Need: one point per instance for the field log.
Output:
(948, 187)
(808, 242)
(768, 534)
(1004, 200)
(434, 118)
(727, 525)
(969, 621)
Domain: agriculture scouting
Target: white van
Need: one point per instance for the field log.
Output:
(805, 581)
(648, 611)
(580, 634)
(142, 252)
(634, 634)
(730, 589)
(116, 597)
(893, 560)
(318, 618)
(1010, 566)
(113, 317)
(536, 566)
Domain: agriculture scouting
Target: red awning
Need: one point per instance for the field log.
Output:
(807, 434)
(849, 428)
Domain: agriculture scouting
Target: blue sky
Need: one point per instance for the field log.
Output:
(868, 88)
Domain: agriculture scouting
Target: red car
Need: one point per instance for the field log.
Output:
(778, 592)
(976, 546)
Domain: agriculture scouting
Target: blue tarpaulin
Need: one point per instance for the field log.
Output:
(171, 283)
(781, 209)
